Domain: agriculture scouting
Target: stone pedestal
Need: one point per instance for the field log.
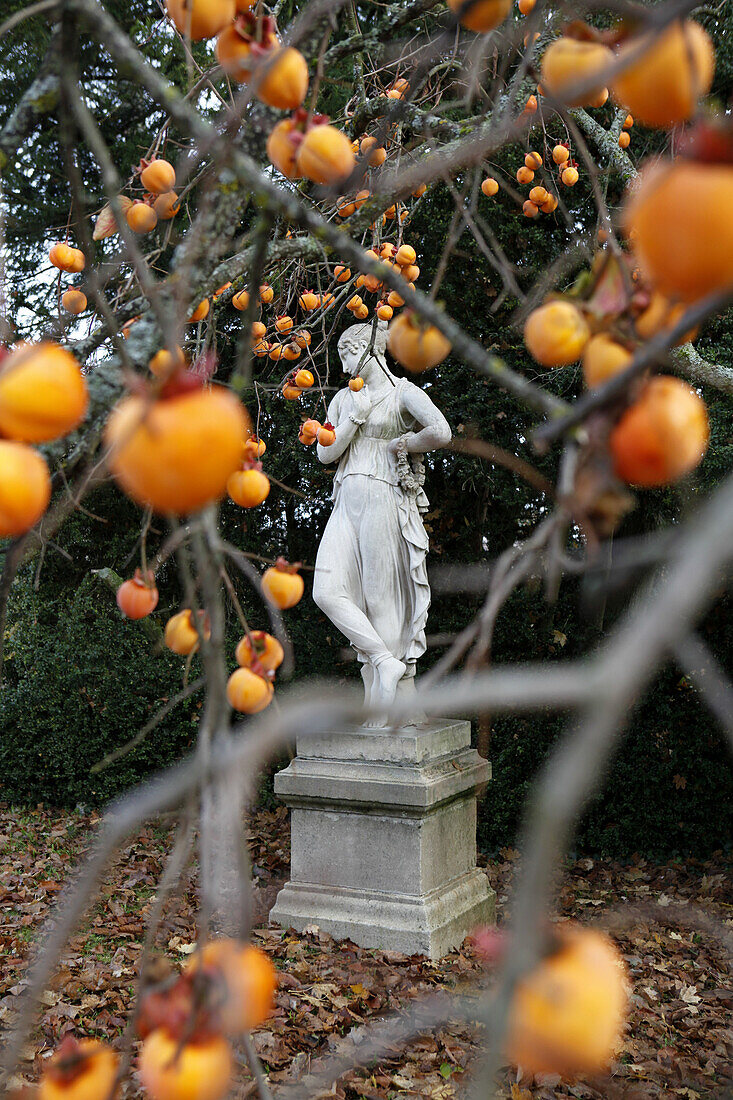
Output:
(383, 828)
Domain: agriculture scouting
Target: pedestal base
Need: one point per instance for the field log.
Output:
(384, 838)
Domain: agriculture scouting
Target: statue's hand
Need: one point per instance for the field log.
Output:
(394, 445)
(361, 403)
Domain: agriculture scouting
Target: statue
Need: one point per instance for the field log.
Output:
(371, 573)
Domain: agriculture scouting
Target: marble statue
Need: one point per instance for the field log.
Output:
(371, 572)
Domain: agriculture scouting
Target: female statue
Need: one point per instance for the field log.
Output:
(371, 574)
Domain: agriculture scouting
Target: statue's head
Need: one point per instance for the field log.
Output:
(354, 342)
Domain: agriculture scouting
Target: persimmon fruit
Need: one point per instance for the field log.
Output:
(662, 436)
(138, 597)
(662, 314)
(25, 488)
(603, 357)
(568, 62)
(669, 73)
(326, 435)
(141, 218)
(260, 646)
(304, 379)
(74, 301)
(248, 487)
(158, 177)
(281, 81)
(416, 346)
(697, 199)
(240, 300)
(84, 1069)
(206, 17)
(181, 636)
(248, 692)
(164, 363)
(480, 15)
(567, 1015)
(66, 258)
(166, 206)
(356, 384)
(282, 584)
(556, 334)
(177, 453)
(43, 394)
(325, 155)
(200, 313)
(405, 255)
(254, 448)
(248, 978)
(489, 187)
(199, 1069)
(281, 149)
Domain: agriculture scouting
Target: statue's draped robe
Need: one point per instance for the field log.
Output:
(371, 565)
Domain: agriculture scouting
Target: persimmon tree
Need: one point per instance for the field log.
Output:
(194, 280)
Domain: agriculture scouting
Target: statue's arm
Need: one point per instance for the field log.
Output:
(435, 430)
(346, 429)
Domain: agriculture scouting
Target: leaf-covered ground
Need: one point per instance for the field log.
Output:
(671, 922)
